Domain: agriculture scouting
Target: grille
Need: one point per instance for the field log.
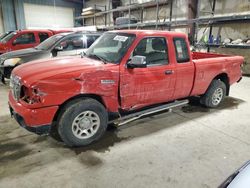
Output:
(15, 85)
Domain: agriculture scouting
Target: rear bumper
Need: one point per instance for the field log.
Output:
(38, 120)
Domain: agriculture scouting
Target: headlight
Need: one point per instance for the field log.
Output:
(32, 95)
(16, 86)
(11, 62)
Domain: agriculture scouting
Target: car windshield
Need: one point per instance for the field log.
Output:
(5, 34)
(8, 37)
(111, 47)
(48, 43)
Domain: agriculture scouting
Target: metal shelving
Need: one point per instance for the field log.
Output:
(239, 46)
(204, 21)
(184, 22)
(177, 23)
(132, 7)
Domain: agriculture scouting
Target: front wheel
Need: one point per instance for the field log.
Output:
(214, 95)
(82, 122)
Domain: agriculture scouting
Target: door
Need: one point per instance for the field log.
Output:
(154, 84)
(46, 16)
(24, 40)
(184, 69)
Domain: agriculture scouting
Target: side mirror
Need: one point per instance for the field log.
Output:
(61, 46)
(137, 62)
(58, 48)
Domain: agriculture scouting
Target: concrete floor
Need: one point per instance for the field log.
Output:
(190, 147)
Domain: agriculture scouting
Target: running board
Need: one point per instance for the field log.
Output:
(137, 115)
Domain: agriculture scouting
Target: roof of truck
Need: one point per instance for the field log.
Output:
(26, 30)
(43, 30)
(150, 32)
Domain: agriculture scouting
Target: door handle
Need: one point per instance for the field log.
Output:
(169, 72)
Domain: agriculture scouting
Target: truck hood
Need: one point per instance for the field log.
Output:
(21, 53)
(59, 68)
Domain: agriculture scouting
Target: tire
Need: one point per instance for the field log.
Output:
(214, 95)
(82, 122)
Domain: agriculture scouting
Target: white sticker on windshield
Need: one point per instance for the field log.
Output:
(120, 38)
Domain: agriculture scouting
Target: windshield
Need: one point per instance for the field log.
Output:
(48, 43)
(8, 37)
(5, 34)
(111, 46)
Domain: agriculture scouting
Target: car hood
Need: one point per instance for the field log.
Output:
(21, 53)
(59, 68)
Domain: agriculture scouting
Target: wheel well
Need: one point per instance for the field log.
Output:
(77, 98)
(224, 78)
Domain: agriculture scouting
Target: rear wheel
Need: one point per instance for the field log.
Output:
(214, 95)
(82, 122)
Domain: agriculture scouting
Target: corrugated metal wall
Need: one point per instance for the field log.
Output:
(13, 11)
(9, 22)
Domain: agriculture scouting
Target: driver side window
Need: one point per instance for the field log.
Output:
(73, 43)
(154, 49)
(27, 38)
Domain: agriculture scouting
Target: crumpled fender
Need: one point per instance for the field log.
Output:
(103, 83)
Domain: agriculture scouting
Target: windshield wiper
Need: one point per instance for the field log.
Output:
(98, 57)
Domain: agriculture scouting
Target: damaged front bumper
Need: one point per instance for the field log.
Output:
(40, 130)
(37, 120)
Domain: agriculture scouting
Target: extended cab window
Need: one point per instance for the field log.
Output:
(181, 50)
(27, 38)
(43, 36)
(154, 49)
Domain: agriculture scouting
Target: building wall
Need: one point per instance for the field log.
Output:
(9, 22)
(1, 21)
(13, 11)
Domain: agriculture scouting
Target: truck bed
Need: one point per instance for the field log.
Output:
(202, 55)
(208, 66)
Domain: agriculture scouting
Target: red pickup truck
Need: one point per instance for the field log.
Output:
(120, 77)
(21, 39)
